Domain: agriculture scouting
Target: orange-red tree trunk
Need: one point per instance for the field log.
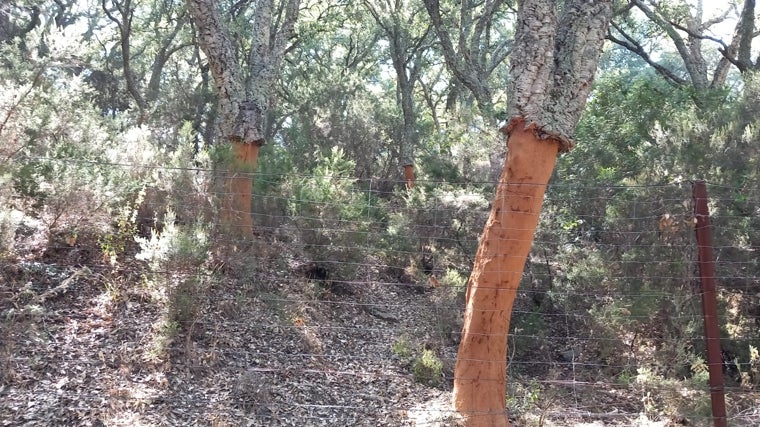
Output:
(238, 187)
(481, 362)
(551, 70)
(409, 176)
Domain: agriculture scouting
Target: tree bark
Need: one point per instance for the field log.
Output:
(126, 10)
(480, 372)
(409, 176)
(474, 58)
(552, 68)
(237, 128)
(243, 97)
(238, 187)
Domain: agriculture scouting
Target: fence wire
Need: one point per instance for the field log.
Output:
(345, 307)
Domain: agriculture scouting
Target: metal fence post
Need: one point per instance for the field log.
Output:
(709, 303)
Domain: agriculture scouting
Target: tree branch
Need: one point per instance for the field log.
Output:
(744, 30)
(449, 54)
(697, 78)
(697, 35)
(633, 46)
(125, 32)
(463, 64)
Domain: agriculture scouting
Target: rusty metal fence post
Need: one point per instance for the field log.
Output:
(709, 303)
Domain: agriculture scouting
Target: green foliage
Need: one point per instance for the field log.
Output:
(114, 244)
(700, 372)
(78, 155)
(525, 397)
(402, 348)
(333, 216)
(458, 215)
(174, 246)
(271, 173)
(640, 130)
(455, 281)
(164, 333)
(184, 302)
(57, 162)
(616, 131)
(428, 368)
(529, 340)
(329, 182)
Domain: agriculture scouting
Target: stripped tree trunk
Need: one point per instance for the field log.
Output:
(552, 68)
(409, 176)
(244, 96)
(238, 187)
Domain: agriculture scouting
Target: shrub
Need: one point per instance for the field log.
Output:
(428, 368)
(185, 300)
(180, 247)
(332, 215)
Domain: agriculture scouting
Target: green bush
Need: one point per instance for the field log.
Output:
(176, 247)
(332, 214)
(428, 368)
(402, 348)
(185, 300)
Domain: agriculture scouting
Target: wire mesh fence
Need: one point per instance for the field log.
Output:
(345, 306)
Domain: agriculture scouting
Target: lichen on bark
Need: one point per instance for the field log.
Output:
(244, 94)
(553, 65)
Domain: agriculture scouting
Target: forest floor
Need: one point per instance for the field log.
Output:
(86, 342)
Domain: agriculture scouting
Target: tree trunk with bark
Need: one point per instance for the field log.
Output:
(244, 96)
(552, 68)
(407, 56)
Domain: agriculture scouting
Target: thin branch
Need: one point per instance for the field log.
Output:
(125, 30)
(162, 57)
(730, 58)
(110, 15)
(500, 53)
(633, 46)
(697, 35)
(482, 23)
(718, 19)
(449, 54)
(460, 64)
(687, 56)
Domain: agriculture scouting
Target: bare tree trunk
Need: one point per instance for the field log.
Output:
(409, 176)
(238, 187)
(243, 97)
(548, 89)
(481, 369)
